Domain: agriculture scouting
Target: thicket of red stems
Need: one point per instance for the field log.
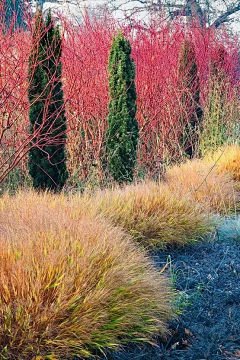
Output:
(14, 127)
(155, 50)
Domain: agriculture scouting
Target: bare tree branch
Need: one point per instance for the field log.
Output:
(207, 12)
(225, 16)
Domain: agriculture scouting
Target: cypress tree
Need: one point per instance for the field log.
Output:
(47, 165)
(191, 112)
(122, 132)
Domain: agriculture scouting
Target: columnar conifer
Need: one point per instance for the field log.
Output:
(122, 132)
(47, 164)
(191, 112)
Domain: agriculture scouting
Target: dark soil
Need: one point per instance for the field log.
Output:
(207, 278)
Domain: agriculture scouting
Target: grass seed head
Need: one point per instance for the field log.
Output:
(72, 284)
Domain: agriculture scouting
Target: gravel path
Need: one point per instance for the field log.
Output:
(207, 277)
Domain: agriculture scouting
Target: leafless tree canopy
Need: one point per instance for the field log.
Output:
(212, 13)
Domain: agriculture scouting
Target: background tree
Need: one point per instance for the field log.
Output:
(211, 13)
(122, 132)
(47, 164)
(189, 86)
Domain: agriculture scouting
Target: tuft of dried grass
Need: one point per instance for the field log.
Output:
(154, 215)
(227, 159)
(71, 283)
(201, 181)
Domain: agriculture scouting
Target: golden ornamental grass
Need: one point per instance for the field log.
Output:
(154, 215)
(201, 181)
(71, 283)
(227, 159)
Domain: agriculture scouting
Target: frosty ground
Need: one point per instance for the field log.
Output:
(206, 276)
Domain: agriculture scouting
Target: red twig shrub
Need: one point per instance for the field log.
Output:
(85, 52)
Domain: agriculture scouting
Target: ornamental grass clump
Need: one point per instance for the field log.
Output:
(152, 214)
(202, 182)
(72, 287)
(227, 159)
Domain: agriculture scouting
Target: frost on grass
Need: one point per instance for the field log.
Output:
(230, 229)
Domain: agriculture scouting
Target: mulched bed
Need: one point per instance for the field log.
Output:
(207, 277)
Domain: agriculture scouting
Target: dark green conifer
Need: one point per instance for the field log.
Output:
(191, 111)
(122, 132)
(47, 165)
